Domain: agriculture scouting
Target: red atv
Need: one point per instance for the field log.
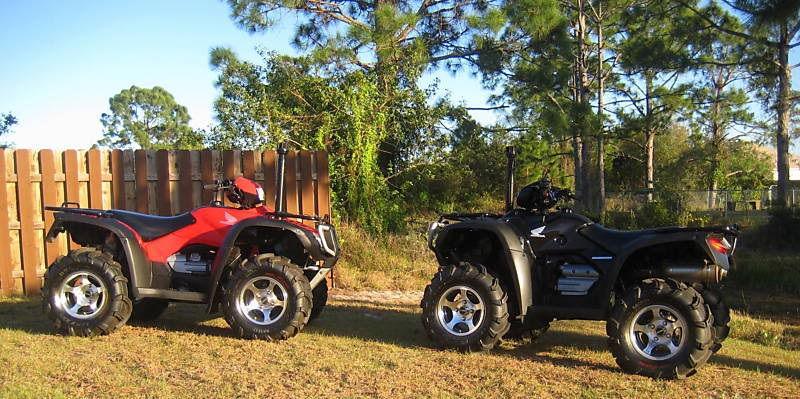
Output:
(266, 270)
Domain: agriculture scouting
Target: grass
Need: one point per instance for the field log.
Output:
(354, 349)
(393, 262)
(768, 271)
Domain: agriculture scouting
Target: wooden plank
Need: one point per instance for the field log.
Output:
(291, 182)
(140, 166)
(95, 179)
(207, 173)
(228, 164)
(185, 186)
(162, 169)
(323, 184)
(6, 280)
(306, 184)
(47, 166)
(268, 168)
(249, 164)
(117, 180)
(71, 175)
(30, 253)
(72, 187)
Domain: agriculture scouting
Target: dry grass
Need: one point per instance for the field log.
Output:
(355, 349)
(393, 262)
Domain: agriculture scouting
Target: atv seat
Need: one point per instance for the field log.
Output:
(613, 239)
(151, 227)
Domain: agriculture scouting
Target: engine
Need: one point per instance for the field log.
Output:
(576, 279)
(191, 267)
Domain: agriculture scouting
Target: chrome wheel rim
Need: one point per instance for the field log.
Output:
(262, 300)
(82, 295)
(460, 310)
(658, 332)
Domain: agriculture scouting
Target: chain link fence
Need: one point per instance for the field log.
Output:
(705, 200)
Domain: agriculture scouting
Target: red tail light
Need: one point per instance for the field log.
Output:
(718, 244)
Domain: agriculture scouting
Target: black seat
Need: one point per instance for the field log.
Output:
(614, 239)
(151, 227)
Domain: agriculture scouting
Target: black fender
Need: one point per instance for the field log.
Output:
(307, 239)
(653, 238)
(518, 258)
(139, 268)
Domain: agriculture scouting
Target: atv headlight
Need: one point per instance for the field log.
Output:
(327, 238)
(433, 232)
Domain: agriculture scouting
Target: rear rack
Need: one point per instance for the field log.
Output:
(65, 207)
(462, 216)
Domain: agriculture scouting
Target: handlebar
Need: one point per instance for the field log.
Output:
(218, 185)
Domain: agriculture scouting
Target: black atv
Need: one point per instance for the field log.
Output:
(510, 275)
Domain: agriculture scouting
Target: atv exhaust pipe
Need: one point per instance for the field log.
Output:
(280, 177)
(511, 154)
(707, 274)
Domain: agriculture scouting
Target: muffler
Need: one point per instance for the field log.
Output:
(707, 274)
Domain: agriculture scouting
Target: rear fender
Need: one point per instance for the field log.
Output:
(652, 240)
(226, 255)
(139, 268)
(515, 262)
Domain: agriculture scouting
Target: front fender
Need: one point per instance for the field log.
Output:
(308, 240)
(517, 260)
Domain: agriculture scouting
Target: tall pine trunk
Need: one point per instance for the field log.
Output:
(783, 109)
(582, 91)
(601, 174)
(649, 138)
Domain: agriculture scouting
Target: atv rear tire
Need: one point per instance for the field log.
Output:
(148, 309)
(721, 312)
(526, 334)
(455, 298)
(267, 297)
(86, 294)
(661, 329)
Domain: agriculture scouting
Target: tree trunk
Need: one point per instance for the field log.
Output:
(601, 174)
(716, 141)
(649, 138)
(585, 196)
(783, 109)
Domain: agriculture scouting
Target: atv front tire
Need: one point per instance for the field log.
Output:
(319, 295)
(320, 299)
(464, 307)
(267, 297)
(661, 329)
(86, 294)
(148, 309)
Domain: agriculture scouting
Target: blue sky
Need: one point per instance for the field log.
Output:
(61, 61)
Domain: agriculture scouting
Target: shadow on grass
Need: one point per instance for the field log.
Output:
(746, 364)
(403, 328)
(398, 326)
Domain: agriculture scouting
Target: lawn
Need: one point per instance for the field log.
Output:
(355, 349)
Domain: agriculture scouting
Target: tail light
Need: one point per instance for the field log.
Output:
(719, 244)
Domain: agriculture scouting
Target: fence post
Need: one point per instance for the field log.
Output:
(30, 252)
(6, 279)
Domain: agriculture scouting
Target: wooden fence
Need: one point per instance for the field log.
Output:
(157, 182)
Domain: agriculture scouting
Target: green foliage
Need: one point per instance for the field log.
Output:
(7, 122)
(348, 115)
(148, 118)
